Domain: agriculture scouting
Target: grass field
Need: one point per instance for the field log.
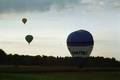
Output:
(62, 76)
(57, 73)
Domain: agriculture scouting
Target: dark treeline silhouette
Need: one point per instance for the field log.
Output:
(90, 62)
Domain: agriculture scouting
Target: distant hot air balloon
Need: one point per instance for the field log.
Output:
(24, 20)
(80, 43)
(29, 38)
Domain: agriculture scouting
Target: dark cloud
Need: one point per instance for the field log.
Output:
(33, 5)
(7, 6)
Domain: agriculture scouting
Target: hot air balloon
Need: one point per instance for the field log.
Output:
(80, 43)
(29, 38)
(24, 20)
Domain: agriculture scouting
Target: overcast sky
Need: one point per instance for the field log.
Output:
(51, 21)
(47, 5)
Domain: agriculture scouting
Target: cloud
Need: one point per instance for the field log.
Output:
(46, 5)
(33, 5)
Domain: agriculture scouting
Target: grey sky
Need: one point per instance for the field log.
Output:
(46, 5)
(51, 21)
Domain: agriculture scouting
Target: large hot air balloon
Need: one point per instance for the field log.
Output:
(24, 20)
(29, 38)
(80, 43)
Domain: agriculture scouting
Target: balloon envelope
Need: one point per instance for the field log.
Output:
(24, 20)
(29, 38)
(80, 43)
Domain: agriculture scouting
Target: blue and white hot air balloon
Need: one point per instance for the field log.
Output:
(80, 43)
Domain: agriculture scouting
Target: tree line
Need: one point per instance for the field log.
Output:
(27, 60)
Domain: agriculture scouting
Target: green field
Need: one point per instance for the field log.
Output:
(62, 76)
(57, 73)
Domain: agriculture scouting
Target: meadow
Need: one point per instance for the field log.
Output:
(62, 76)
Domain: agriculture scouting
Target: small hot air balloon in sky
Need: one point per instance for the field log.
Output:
(24, 20)
(80, 43)
(29, 38)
